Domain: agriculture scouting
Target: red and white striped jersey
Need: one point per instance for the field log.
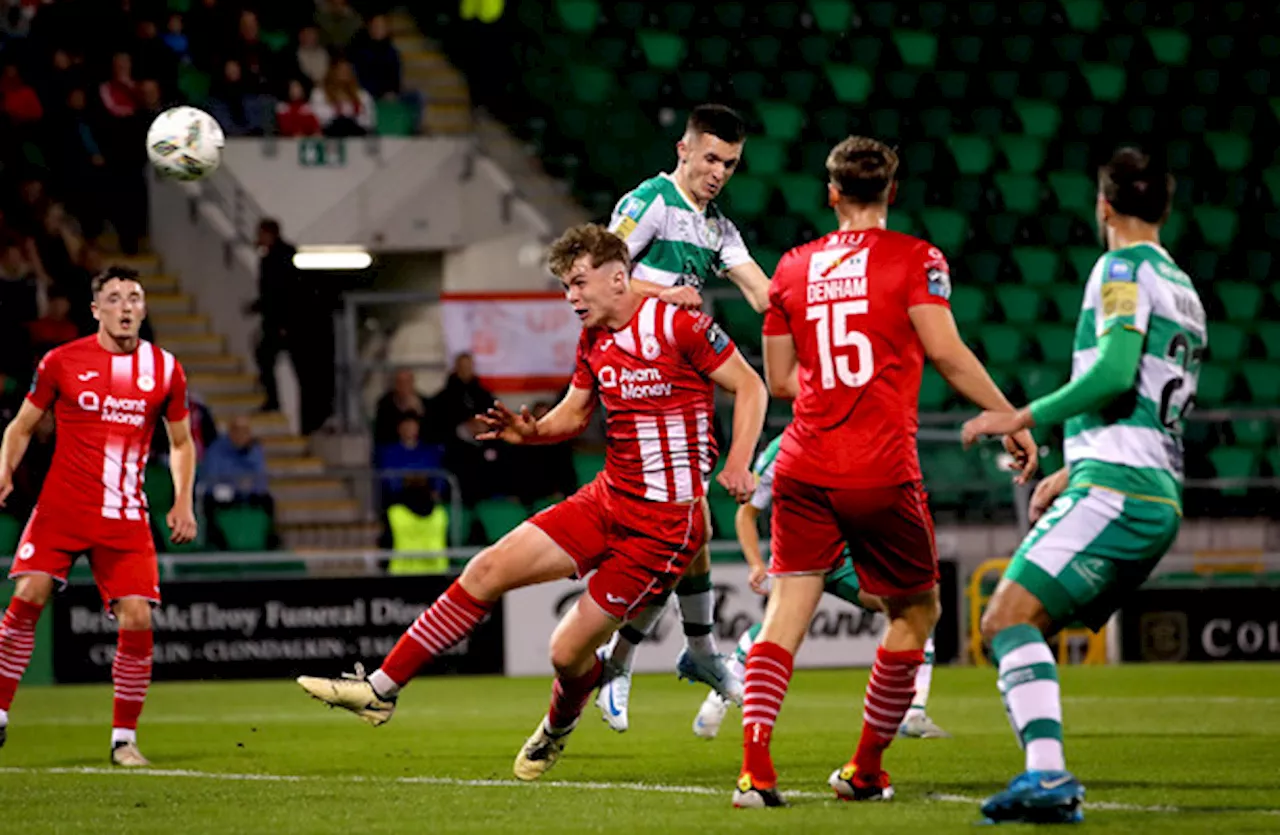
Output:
(106, 407)
(653, 377)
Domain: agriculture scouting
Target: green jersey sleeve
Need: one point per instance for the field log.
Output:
(637, 219)
(1124, 298)
(762, 498)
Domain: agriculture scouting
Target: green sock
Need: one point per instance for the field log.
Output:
(1029, 687)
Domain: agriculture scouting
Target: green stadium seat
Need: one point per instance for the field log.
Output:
(900, 221)
(1069, 47)
(1106, 82)
(1173, 228)
(626, 15)
(969, 305)
(1214, 384)
(780, 16)
(1240, 302)
(799, 85)
(749, 85)
(724, 509)
(1268, 335)
(611, 52)
(763, 51)
(1003, 344)
(164, 535)
(747, 197)
(730, 16)
(1036, 265)
(918, 157)
(1040, 119)
(1082, 259)
(766, 157)
(952, 84)
(935, 122)
(832, 16)
(1075, 192)
(713, 51)
(1020, 193)
(695, 85)
(947, 228)
(918, 49)
(987, 121)
(1227, 342)
(934, 391)
(781, 120)
(968, 194)
(645, 86)
(680, 16)
(1020, 303)
(1234, 463)
(851, 84)
(814, 50)
(158, 486)
(395, 118)
(802, 192)
(1231, 151)
(10, 533)
(1170, 46)
(740, 321)
(498, 517)
(244, 529)
(193, 84)
(1002, 228)
(1217, 224)
(949, 471)
(578, 15)
(1003, 84)
(1067, 299)
(1039, 380)
(1024, 154)
(973, 154)
(1255, 433)
(1019, 49)
(587, 465)
(1263, 382)
(1056, 344)
(767, 258)
(662, 50)
(983, 267)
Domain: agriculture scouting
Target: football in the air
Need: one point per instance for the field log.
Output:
(185, 143)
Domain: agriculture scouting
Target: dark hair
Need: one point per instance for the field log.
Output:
(1137, 185)
(717, 120)
(114, 273)
(589, 239)
(862, 169)
(269, 225)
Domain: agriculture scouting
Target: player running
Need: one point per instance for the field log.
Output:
(842, 582)
(1108, 517)
(851, 318)
(107, 393)
(679, 240)
(636, 526)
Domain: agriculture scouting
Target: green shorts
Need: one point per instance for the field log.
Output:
(1091, 549)
(842, 581)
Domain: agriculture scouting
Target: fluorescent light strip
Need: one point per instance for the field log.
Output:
(332, 259)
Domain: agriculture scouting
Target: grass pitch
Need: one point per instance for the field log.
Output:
(1160, 748)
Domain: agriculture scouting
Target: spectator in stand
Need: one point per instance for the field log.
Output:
(76, 157)
(176, 40)
(210, 25)
(234, 474)
(463, 397)
(482, 467)
(29, 477)
(235, 104)
(342, 107)
(78, 288)
(338, 23)
(257, 62)
(418, 524)
(18, 99)
(57, 244)
(119, 93)
(11, 397)
(546, 470)
(313, 58)
(18, 306)
(125, 152)
(295, 116)
(408, 452)
(377, 64)
(152, 58)
(401, 402)
(64, 73)
(55, 327)
(277, 285)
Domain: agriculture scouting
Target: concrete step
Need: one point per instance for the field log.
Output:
(307, 489)
(222, 382)
(147, 265)
(165, 303)
(265, 424)
(294, 467)
(284, 446)
(354, 536)
(212, 364)
(225, 405)
(185, 345)
(448, 118)
(173, 324)
(315, 511)
(161, 283)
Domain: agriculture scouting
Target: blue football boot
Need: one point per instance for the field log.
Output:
(1038, 797)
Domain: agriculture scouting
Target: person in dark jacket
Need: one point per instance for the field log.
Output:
(277, 281)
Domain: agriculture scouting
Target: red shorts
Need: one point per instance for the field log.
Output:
(122, 554)
(637, 549)
(888, 530)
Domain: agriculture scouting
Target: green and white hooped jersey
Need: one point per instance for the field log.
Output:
(671, 242)
(762, 498)
(1134, 444)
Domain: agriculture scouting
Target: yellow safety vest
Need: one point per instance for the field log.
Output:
(486, 10)
(412, 533)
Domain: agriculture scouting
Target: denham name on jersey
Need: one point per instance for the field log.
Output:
(671, 242)
(106, 407)
(653, 377)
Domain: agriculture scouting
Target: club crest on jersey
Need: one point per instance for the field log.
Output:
(146, 383)
(649, 347)
(715, 234)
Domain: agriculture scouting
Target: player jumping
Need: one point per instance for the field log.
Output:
(679, 240)
(1108, 517)
(636, 526)
(108, 392)
(851, 318)
(841, 582)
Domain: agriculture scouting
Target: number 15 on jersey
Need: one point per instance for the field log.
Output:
(835, 334)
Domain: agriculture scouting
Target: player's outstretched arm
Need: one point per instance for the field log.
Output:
(750, 400)
(685, 298)
(567, 420)
(753, 283)
(182, 465)
(745, 525)
(782, 367)
(17, 436)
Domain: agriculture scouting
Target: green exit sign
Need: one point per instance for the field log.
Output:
(322, 153)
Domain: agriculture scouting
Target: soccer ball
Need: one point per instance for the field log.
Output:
(185, 143)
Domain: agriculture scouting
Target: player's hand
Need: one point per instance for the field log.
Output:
(182, 525)
(685, 297)
(506, 425)
(1046, 493)
(758, 577)
(6, 486)
(993, 423)
(1026, 455)
(739, 481)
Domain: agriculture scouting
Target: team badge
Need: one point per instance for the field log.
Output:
(146, 383)
(714, 233)
(939, 282)
(1120, 270)
(718, 338)
(632, 207)
(649, 347)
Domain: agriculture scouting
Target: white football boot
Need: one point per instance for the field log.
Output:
(540, 752)
(614, 694)
(710, 716)
(351, 692)
(126, 754)
(712, 671)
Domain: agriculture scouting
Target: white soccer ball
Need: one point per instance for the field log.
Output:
(185, 143)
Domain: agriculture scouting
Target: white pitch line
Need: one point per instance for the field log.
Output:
(651, 788)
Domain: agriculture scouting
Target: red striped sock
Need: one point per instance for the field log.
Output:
(569, 696)
(768, 676)
(451, 618)
(131, 674)
(17, 640)
(889, 694)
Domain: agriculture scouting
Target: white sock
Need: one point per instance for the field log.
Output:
(4, 718)
(119, 735)
(924, 679)
(382, 684)
(623, 646)
(1029, 684)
